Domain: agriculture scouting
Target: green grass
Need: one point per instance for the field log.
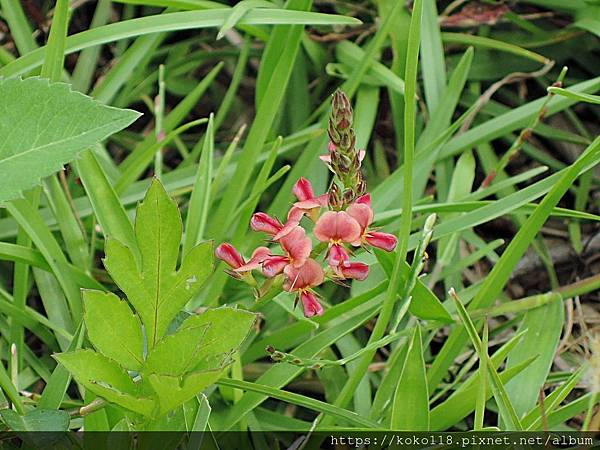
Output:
(485, 195)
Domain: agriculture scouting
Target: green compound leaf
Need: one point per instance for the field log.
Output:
(44, 126)
(113, 328)
(194, 357)
(156, 289)
(178, 359)
(106, 378)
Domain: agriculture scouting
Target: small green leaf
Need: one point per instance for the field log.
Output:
(44, 126)
(155, 287)
(173, 391)
(36, 420)
(580, 97)
(228, 329)
(410, 411)
(238, 11)
(176, 354)
(113, 328)
(106, 378)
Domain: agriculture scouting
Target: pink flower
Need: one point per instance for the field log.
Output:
(228, 253)
(353, 271)
(337, 227)
(296, 246)
(307, 204)
(265, 223)
(363, 214)
(306, 198)
(310, 304)
(308, 275)
(301, 280)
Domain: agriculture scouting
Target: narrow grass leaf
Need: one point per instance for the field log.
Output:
(200, 199)
(410, 410)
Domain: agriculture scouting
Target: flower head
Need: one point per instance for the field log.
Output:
(307, 204)
(346, 221)
(363, 214)
(241, 269)
(337, 228)
(296, 246)
(301, 280)
(307, 276)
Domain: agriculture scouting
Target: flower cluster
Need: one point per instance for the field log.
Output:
(342, 220)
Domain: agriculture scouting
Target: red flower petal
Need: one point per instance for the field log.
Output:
(274, 265)
(384, 241)
(293, 220)
(355, 270)
(265, 223)
(338, 256)
(297, 246)
(227, 253)
(303, 189)
(258, 256)
(310, 274)
(310, 304)
(362, 213)
(337, 226)
(364, 199)
(315, 202)
(308, 204)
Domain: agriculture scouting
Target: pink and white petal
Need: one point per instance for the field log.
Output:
(228, 253)
(274, 265)
(260, 253)
(362, 213)
(355, 270)
(297, 246)
(361, 155)
(309, 204)
(310, 304)
(265, 223)
(303, 189)
(293, 221)
(325, 227)
(331, 147)
(337, 226)
(258, 256)
(384, 241)
(295, 214)
(347, 228)
(325, 158)
(338, 256)
(322, 200)
(310, 274)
